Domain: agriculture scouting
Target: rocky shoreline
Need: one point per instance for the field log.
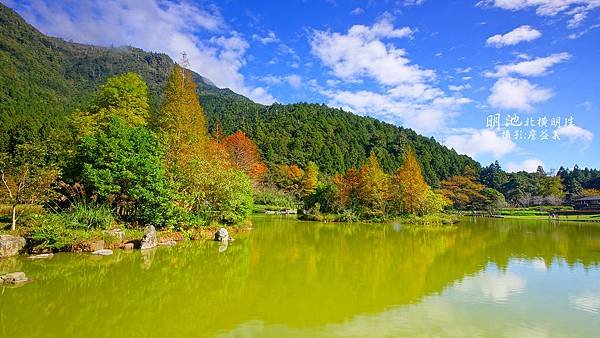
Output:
(11, 246)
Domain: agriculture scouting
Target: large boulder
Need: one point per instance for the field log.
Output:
(13, 278)
(222, 235)
(11, 245)
(150, 240)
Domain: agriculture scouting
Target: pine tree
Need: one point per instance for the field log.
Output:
(410, 188)
(182, 119)
(374, 187)
(310, 181)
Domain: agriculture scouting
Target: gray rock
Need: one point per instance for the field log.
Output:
(103, 252)
(150, 240)
(41, 256)
(11, 245)
(13, 278)
(168, 243)
(222, 235)
(117, 233)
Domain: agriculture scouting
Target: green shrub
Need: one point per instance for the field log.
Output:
(220, 194)
(92, 216)
(123, 167)
(53, 231)
(274, 199)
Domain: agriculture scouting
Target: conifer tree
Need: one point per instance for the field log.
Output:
(182, 119)
(410, 188)
(310, 181)
(374, 187)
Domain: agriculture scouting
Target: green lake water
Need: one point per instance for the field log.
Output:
(287, 278)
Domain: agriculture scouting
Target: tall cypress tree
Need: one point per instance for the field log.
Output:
(182, 119)
(411, 189)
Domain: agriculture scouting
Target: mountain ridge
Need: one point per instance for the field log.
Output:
(44, 78)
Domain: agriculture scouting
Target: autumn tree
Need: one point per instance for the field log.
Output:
(289, 178)
(26, 177)
(182, 119)
(310, 181)
(347, 187)
(409, 187)
(374, 187)
(123, 96)
(244, 155)
(464, 191)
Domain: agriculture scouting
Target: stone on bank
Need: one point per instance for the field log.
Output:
(103, 252)
(11, 245)
(221, 235)
(150, 240)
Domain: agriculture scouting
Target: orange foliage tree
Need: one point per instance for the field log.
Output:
(347, 188)
(243, 153)
(410, 189)
(464, 191)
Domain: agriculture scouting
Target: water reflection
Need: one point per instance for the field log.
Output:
(493, 285)
(290, 278)
(588, 301)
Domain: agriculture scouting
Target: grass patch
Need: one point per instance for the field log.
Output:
(274, 200)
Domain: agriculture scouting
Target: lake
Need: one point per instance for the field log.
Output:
(288, 278)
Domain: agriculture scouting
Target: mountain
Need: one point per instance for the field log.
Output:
(43, 78)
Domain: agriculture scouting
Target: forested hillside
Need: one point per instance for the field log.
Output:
(43, 79)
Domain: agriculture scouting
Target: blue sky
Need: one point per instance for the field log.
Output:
(439, 67)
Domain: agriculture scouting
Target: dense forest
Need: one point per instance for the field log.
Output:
(44, 78)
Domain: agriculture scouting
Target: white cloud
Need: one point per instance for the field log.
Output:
(361, 52)
(295, 81)
(463, 70)
(458, 88)
(535, 67)
(407, 93)
(577, 35)
(271, 79)
(168, 27)
(529, 165)
(413, 2)
(477, 142)
(575, 133)
(332, 82)
(576, 9)
(427, 113)
(270, 37)
(513, 93)
(357, 11)
(587, 105)
(520, 34)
